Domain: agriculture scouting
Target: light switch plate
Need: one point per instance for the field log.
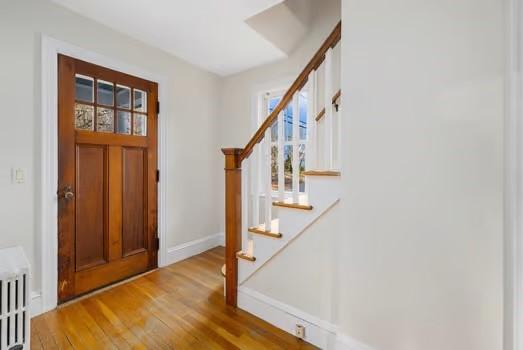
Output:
(18, 175)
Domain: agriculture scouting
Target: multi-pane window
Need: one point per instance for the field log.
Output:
(272, 102)
(108, 107)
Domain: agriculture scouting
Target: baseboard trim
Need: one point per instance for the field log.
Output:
(186, 250)
(318, 332)
(36, 304)
(344, 342)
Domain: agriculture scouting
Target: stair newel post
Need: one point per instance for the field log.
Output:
(233, 220)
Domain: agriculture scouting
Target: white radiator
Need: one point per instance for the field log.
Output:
(14, 299)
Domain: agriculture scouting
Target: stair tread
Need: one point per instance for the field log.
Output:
(261, 231)
(290, 204)
(319, 172)
(274, 232)
(244, 256)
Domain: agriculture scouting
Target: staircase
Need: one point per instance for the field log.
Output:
(263, 216)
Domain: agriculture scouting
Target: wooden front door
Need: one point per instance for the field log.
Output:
(107, 176)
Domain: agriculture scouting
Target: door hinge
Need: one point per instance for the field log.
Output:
(157, 107)
(157, 239)
(157, 175)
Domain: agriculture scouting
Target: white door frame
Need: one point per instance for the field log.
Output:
(513, 195)
(48, 238)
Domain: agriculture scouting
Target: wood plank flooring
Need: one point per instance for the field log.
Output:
(176, 307)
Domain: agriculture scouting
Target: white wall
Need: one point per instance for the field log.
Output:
(421, 246)
(193, 153)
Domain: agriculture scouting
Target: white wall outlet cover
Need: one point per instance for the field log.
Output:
(300, 331)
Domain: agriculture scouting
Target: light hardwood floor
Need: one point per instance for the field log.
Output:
(177, 307)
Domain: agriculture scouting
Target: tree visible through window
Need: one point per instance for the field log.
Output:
(288, 146)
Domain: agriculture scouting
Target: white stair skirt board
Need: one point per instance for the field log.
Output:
(186, 250)
(318, 332)
(323, 195)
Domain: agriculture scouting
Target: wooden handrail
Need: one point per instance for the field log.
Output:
(336, 96)
(313, 64)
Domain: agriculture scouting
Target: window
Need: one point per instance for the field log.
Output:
(270, 101)
(99, 101)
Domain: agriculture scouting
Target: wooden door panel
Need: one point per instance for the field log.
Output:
(91, 204)
(115, 203)
(103, 275)
(134, 194)
(107, 188)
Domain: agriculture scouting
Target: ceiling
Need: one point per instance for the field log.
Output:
(285, 24)
(211, 34)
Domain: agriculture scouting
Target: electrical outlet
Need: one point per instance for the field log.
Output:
(300, 331)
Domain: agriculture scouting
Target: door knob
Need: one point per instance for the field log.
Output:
(67, 193)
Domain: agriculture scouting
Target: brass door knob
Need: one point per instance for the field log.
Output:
(67, 193)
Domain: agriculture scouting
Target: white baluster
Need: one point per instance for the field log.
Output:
(281, 161)
(295, 148)
(311, 146)
(268, 180)
(250, 247)
(338, 116)
(337, 73)
(245, 203)
(256, 172)
(258, 162)
(328, 110)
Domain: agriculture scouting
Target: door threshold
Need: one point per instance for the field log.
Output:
(103, 289)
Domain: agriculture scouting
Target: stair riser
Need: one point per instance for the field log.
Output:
(323, 188)
(323, 191)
